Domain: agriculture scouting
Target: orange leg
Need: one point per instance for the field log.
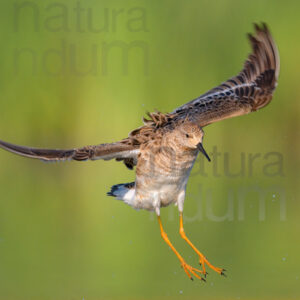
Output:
(202, 258)
(187, 268)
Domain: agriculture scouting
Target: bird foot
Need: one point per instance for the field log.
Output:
(203, 261)
(191, 270)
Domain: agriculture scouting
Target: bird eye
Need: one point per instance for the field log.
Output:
(187, 135)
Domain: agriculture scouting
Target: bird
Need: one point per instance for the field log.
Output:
(164, 149)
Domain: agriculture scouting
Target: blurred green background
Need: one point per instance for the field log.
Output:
(65, 82)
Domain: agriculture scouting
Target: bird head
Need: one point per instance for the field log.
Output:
(191, 137)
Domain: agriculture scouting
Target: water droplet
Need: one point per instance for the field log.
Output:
(284, 259)
(180, 292)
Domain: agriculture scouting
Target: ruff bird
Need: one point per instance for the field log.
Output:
(165, 148)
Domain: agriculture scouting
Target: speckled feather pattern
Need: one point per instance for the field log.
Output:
(164, 149)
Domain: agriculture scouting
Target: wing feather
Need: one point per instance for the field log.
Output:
(249, 91)
(120, 151)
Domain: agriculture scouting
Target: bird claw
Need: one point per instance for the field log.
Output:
(203, 261)
(191, 270)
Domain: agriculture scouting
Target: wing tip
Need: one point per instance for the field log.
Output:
(36, 153)
(264, 36)
(261, 27)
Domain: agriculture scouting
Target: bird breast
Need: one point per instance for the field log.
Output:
(162, 174)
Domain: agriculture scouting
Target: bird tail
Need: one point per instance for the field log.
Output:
(123, 191)
(102, 151)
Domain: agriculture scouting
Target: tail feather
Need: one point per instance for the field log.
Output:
(123, 191)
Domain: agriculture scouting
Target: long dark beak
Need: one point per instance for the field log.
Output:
(201, 149)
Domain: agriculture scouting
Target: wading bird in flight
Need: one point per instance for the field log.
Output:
(165, 148)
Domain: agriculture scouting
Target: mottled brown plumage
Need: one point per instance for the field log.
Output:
(165, 148)
(249, 91)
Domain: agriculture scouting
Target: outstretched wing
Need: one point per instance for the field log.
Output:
(249, 91)
(120, 151)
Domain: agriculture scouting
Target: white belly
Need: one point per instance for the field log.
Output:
(161, 191)
(161, 179)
